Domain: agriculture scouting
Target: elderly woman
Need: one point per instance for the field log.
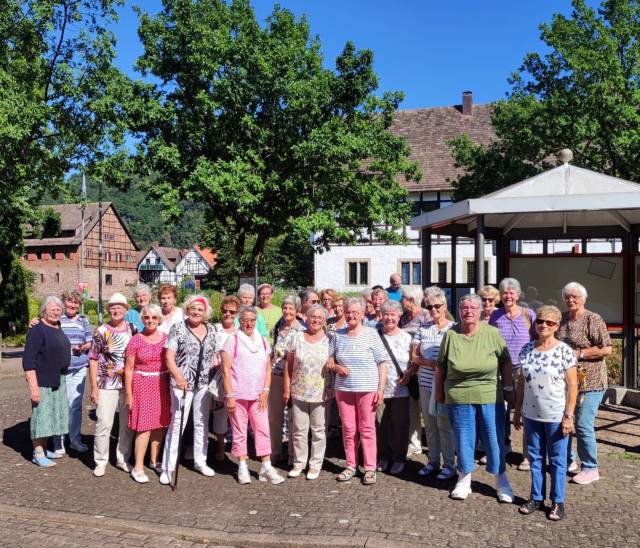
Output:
(378, 298)
(392, 417)
(287, 326)
(142, 295)
(246, 371)
(337, 321)
(229, 310)
(366, 295)
(106, 377)
(307, 354)
(247, 296)
(473, 377)
(490, 298)
(308, 297)
(189, 354)
(269, 311)
(171, 314)
(46, 356)
(546, 398)
(516, 325)
(146, 386)
(358, 358)
(326, 299)
(424, 353)
(586, 333)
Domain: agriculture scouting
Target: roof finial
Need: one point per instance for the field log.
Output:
(565, 155)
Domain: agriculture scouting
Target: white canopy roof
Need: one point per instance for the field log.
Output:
(566, 196)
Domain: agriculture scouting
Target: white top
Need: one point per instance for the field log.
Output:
(361, 355)
(429, 338)
(176, 317)
(544, 381)
(400, 345)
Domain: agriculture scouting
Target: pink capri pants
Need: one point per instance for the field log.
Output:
(247, 412)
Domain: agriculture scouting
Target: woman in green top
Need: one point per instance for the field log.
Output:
(473, 378)
(269, 311)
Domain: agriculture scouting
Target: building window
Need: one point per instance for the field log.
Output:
(411, 272)
(118, 257)
(107, 255)
(442, 272)
(57, 277)
(41, 278)
(471, 271)
(358, 273)
(108, 279)
(88, 253)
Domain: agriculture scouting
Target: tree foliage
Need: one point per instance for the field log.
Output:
(58, 92)
(245, 119)
(583, 94)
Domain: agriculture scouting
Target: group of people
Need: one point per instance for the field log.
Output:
(378, 365)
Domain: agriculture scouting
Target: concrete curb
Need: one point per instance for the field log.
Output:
(200, 536)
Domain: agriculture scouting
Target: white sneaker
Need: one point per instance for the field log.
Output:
(243, 475)
(505, 494)
(270, 474)
(382, 465)
(99, 471)
(165, 478)
(124, 466)
(140, 477)
(397, 468)
(427, 470)
(313, 473)
(460, 491)
(294, 472)
(446, 473)
(204, 470)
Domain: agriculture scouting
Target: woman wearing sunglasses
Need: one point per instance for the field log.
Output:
(546, 398)
(424, 353)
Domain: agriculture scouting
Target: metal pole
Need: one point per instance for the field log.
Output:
(479, 252)
(426, 256)
(82, 243)
(100, 252)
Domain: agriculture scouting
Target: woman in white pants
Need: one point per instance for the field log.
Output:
(190, 351)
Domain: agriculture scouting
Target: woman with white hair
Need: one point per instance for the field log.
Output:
(147, 389)
(517, 327)
(358, 358)
(189, 353)
(47, 354)
(587, 335)
(247, 296)
(473, 377)
(142, 295)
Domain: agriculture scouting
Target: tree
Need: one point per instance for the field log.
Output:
(583, 94)
(58, 92)
(245, 119)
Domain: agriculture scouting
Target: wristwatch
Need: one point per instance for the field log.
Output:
(581, 355)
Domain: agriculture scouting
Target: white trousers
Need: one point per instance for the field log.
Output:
(201, 401)
(307, 416)
(110, 401)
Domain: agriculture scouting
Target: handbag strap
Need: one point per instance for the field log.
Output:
(391, 355)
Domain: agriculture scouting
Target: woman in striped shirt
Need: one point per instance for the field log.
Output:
(359, 360)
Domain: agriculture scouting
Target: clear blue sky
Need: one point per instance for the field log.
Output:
(431, 50)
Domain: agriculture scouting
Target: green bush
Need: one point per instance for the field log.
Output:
(614, 363)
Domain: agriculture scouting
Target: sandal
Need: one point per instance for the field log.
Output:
(530, 507)
(557, 511)
(369, 477)
(41, 460)
(345, 475)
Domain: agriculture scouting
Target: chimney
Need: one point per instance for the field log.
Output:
(467, 103)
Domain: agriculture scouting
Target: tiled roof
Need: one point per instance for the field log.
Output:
(208, 255)
(169, 255)
(427, 131)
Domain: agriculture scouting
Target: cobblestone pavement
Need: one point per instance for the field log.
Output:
(67, 506)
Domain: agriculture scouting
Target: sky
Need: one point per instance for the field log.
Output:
(432, 50)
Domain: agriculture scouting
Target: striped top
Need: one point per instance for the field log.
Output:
(78, 331)
(429, 338)
(361, 354)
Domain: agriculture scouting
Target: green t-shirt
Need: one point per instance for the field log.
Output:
(271, 316)
(471, 365)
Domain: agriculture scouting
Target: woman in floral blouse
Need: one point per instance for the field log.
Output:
(586, 333)
(308, 352)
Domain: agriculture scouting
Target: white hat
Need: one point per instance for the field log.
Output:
(118, 298)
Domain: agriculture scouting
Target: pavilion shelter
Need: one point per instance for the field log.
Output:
(565, 224)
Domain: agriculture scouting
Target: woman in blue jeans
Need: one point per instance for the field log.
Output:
(473, 377)
(546, 399)
(586, 333)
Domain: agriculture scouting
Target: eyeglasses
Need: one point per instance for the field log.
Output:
(548, 323)
(150, 318)
(487, 299)
(313, 301)
(574, 297)
(229, 311)
(436, 306)
(247, 320)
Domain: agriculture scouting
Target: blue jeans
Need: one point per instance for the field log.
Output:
(490, 418)
(545, 439)
(75, 392)
(585, 420)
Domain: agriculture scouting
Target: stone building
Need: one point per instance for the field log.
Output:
(55, 261)
(161, 264)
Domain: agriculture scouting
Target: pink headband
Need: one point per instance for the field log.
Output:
(202, 301)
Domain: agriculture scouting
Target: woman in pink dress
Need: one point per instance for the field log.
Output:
(147, 390)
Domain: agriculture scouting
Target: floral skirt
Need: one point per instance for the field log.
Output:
(51, 416)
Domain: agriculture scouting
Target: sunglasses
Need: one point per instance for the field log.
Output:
(436, 306)
(229, 311)
(548, 323)
(487, 299)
